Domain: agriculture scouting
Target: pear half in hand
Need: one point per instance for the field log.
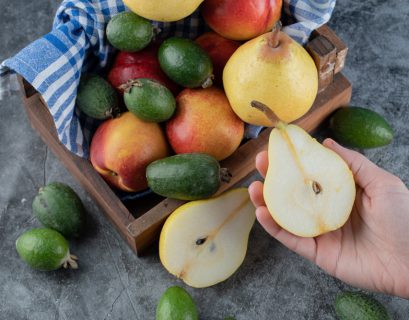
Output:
(309, 189)
(204, 242)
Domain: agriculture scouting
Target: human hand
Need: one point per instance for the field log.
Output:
(372, 249)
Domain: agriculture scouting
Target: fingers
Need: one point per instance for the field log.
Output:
(256, 194)
(305, 247)
(364, 170)
(268, 223)
(262, 163)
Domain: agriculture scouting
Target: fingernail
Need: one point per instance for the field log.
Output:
(328, 142)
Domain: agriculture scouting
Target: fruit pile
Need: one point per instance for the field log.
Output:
(179, 96)
(190, 98)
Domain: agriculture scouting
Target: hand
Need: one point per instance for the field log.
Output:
(372, 249)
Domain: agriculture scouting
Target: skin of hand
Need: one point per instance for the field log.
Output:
(371, 250)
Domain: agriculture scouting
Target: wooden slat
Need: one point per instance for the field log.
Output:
(324, 54)
(336, 95)
(342, 49)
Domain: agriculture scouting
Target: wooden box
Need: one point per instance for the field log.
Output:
(139, 221)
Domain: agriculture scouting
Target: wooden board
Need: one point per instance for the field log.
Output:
(140, 221)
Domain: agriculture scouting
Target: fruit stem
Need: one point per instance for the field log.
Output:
(130, 84)
(273, 42)
(208, 82)
(114, 112)
(109, 113)
(70, 262)
(225, 175)
(113, 173)
(267, 111)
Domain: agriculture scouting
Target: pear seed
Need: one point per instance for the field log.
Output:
(199, 242)
(316, 187)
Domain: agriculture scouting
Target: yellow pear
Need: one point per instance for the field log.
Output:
(275, 70)
(163, 10)
(309, 189)
(204, 242)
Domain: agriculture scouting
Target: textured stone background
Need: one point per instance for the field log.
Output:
(112, 283)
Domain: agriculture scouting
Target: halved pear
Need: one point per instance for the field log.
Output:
(309, 189)
(204, 242)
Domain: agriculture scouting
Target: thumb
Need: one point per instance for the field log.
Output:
(364, 171)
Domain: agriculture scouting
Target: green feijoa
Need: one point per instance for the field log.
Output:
(186, 63)
(45, 249)
(176, 304)
(359, 306)
(129, 32)
(96, 97)
(360, 128)
(58, 207)
(190, 176)
(149, 100)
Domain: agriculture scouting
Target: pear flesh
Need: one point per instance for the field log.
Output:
(204, 242)
(309, 189)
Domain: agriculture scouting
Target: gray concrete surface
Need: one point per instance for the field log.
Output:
(112, 283)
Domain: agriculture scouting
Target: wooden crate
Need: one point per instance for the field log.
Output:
(139, 221)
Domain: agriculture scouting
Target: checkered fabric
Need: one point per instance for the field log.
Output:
(53, 64)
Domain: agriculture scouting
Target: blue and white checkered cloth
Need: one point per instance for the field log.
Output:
(53, 64)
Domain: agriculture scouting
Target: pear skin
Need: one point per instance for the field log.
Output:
(163, 10)
(275, 70)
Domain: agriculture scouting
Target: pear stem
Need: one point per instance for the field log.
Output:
(267, 111)
(273, 42)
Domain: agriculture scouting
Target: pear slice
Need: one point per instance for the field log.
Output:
(309, 189)
(204, 242)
